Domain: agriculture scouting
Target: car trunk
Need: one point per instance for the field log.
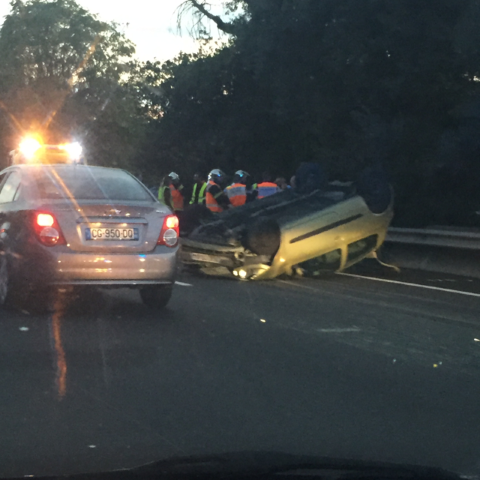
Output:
(92, 226)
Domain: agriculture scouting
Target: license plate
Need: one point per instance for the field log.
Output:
(112, 234)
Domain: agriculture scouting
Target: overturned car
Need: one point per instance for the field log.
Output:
(313, 228)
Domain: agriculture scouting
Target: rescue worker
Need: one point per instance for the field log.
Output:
(282, 183)
(199, 190)
(267, 187)
(216, 199)
(237, 191)
(170, 192)
(164, 195)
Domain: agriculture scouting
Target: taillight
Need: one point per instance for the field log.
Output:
(47, 229)
(170, 231)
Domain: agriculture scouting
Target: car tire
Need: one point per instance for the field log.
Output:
(40, 301)
(263, 237)
(4, 282)
(13, 296)
(10, 293)
(156, 296)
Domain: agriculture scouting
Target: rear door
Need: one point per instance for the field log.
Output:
(10, 188)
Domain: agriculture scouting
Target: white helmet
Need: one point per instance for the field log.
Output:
(174, 176)
(216, 175)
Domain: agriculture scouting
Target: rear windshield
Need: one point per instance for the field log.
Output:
(84, 183)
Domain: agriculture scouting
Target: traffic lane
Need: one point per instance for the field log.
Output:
(57, 416)
(372, 269)
(426, 327)
(210, 376)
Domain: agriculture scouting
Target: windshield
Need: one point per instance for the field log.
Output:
(84, 183)
(257, 230)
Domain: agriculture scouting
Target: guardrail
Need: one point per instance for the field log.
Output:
(435, 249)
(435, 237)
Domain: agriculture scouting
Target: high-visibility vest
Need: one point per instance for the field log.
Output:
(211, 201)
(161, 196)
(237, 194)
(265, 189)
(177, 197)
(201, 194)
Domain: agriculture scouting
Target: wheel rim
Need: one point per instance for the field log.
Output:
(3, 280)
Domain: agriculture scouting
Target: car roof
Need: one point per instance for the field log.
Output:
(62, 166)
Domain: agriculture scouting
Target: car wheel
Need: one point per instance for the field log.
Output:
(40, 301)
(263, 237)
(156, 296)
(4, 281)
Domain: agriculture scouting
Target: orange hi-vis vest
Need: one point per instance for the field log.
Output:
(265, 189)
(237, 194)
(177, 197)
(210, 200)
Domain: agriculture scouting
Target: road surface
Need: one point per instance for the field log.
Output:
(384, 368)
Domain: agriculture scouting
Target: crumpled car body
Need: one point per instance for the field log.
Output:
(324, 230)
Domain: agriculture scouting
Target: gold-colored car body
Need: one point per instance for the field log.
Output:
(328, 239)
(334, 229)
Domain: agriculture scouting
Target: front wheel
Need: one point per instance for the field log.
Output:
(156, 296)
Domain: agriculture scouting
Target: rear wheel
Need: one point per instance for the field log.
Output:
(156, 296)
(40, 301)
(4, 281)
(12, 295)
(10, 292)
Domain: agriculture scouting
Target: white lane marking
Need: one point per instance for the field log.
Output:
(338, 330)
(396, 282)
(183, 284)
(298, 285)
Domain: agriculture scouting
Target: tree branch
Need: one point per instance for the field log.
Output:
(224, 26)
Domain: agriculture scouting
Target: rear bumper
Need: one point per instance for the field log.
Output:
(64, 267)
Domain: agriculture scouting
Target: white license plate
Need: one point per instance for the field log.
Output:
(112, 234)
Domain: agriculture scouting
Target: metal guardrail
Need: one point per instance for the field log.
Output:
(437, 236)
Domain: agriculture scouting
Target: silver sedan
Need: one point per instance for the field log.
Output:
(76, 225)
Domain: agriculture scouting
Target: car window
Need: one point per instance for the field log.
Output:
(3, 176)
(10, 187)
(330, 261)
(84, 183)
(361, 247)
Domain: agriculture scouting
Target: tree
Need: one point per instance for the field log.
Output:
(62, 71)
(343, 82)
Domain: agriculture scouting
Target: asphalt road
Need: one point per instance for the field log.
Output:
(343, 366)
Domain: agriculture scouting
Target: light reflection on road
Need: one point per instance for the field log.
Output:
(60, 358)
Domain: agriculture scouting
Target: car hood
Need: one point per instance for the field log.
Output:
(268, 465)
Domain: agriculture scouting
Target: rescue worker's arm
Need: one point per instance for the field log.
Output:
(193, 194)
(220, 196)
(168, 198)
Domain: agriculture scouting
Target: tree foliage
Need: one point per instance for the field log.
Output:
(63, 74)
(344, 82)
